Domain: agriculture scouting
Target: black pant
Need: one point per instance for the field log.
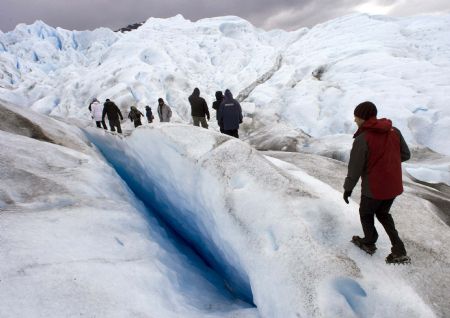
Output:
(102, 123)
(368, 208)
(115, 123)
(232, 132)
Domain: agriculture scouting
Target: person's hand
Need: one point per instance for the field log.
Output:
(347, 194)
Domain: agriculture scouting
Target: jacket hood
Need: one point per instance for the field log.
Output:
(228, 94)
(196, 92)
(373, 124)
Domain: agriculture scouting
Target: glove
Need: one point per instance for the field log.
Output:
(347, 194)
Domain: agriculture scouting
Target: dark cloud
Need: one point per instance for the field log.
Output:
(268, 14)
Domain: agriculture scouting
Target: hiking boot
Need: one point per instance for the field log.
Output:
(398, 259)
(368, 248)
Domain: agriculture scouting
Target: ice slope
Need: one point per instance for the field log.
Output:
(283, 233)
(415, 213)
(266, 237)
(39, 64)
(163, 58)
(75, 241)
(402, 64)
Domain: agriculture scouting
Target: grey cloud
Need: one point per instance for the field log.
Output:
(414, 7)
(307, 15)
(386, 2)
(287, 14)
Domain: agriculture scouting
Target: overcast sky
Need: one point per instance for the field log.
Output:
(267, 14)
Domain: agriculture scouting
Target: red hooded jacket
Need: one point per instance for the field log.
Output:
(376, 156)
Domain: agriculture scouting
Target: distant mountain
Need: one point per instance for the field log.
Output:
(130, 27)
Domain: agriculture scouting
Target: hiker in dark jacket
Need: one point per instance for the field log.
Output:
(149, 114)
(135, 116)
(216, 104)
(376, 156)
(113, 112)
(230, 115)
(199, 109)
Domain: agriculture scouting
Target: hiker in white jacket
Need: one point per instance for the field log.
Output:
(97, 112)
(164, 111)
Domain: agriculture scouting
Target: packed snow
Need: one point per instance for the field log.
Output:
(78, 242)
(224, 198)
(170, 220)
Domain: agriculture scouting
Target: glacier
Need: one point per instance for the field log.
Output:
(170, 220)
(76, 241)
(401, 64)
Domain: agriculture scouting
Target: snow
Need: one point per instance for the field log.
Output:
(416, 221)
(170, 220)
(401, 64)
(429, 167)
(78, 242)
(224, 198)
(431, 174)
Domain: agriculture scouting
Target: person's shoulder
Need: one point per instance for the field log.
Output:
(397, 132)
(361, 137)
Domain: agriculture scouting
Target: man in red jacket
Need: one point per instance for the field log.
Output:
(376, 156)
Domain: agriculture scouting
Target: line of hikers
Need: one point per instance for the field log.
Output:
(110, 110)
(228, 113)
